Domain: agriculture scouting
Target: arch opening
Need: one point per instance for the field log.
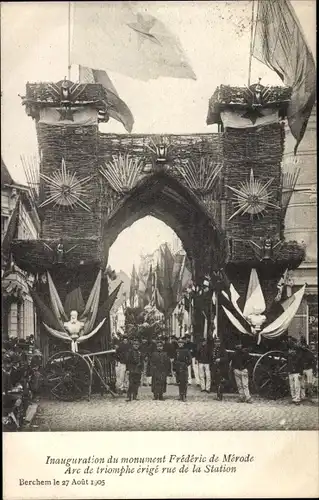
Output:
(156, 274)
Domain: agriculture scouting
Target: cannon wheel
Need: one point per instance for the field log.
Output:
(96, 369)
(270, 375)
(68, 376)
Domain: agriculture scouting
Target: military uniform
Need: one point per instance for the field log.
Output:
(160, 367)
(183, 360)
(134, 366)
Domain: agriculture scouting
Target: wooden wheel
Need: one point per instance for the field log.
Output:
(270, 375)
(68, 376)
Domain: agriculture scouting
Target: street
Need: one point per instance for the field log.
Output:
(201, 412)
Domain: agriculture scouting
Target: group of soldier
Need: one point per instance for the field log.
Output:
(156, 363)
(179, 360)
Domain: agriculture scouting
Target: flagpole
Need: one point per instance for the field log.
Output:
(69, 40)
(251, 41)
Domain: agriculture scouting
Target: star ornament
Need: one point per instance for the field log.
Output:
(252, 197)
(252, 114)
(66, 189)
(143, 27)
(65, 113)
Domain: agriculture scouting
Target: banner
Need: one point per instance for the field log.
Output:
(111, 36)
(280, 44)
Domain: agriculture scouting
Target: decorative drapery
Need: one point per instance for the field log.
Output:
(279, 325)
(74, 343)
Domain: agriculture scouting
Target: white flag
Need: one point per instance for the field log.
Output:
(110, 36)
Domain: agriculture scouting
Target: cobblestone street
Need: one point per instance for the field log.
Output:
(201, 412)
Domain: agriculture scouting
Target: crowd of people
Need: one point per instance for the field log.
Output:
(207, 364)
(21, 379)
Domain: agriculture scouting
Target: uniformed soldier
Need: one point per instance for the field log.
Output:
(134, 366)
(160, 367)
(183, 359)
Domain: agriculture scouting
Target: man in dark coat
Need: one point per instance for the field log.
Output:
(240, 361)
(183, 359)
(220, 368)
(204, 358)
(191, 346)
(295, 365)
(160, 367)
(134, 366)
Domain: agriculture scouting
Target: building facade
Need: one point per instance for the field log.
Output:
(301, 225)
(19, 219)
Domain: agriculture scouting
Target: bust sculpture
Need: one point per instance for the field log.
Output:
(74, 326)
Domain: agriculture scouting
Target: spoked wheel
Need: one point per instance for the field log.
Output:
(68, 376)
(270, 375)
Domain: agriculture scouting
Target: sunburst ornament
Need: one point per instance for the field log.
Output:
(252, 197)
(66, 189)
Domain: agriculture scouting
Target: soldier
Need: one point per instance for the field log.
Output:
(309, 368)
(134, 366)
(160, 367)
(295, 370)
(220, 366)
(183, 360)
(240, 360)
(145, 351)
(204, 358)
(191, 346)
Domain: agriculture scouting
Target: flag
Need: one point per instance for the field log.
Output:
(159, 301)
(105, 308)
(255, 302)
(133, 286)
(10, 231)
(149, 288)
(280, 44)
(116, 108)
(111, 36)
(167, 271)
(280, 286)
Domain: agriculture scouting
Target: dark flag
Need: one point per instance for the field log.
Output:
(107, 305)
(10, 232)
(158, 292)
(149, 288)
(117, 108)
(167, 265)
(133, 286)
(280, 44)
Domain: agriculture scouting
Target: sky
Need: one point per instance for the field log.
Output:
(34, 47)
